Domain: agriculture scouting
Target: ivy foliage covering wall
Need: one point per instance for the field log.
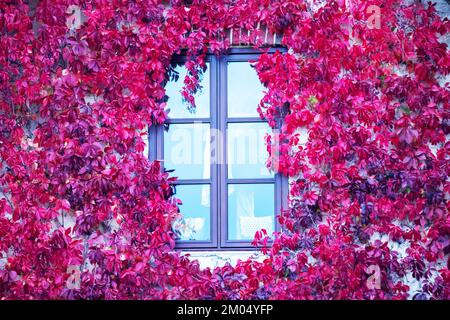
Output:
(368, 215)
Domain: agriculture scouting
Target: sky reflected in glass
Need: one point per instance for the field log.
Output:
(244, 90)
(246, 150)
(251, 208)
(187, 149)
(196, 208)
(179, 108)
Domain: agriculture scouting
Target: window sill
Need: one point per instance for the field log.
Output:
(212, 259)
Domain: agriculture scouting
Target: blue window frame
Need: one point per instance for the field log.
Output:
(218, 154)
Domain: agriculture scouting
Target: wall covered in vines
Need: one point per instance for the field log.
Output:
(80, 80)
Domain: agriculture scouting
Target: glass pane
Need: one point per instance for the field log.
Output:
(187, 150)
(196, 208)
(244, 90)
(246, 150)
(251, 207)
(179, 108)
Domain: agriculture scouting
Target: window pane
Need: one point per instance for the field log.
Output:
(244, 90)
(178, 108)
(196, 208)
(246, 150)
(251, 207)
(187, 150)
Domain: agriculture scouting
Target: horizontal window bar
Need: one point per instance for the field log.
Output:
(182, 58)
(251, 181)
(188, 120)
(245, 119)
(192, 181)
(244, 57)
(195, 245)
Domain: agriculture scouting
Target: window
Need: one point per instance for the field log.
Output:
(218, 152)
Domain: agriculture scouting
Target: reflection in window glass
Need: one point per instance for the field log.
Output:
(244, 90)
(178, 108)
(251, 208)
(187, 150)
(196, 221)
(246, 150)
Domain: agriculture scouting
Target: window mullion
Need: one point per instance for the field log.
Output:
(215, 180)
(222, 113)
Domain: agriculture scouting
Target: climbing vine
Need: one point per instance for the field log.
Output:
(85, 214)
